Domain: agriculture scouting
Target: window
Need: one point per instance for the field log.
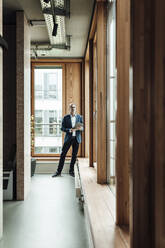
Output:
(111, 95)
(53, 149)
(51, 127)
(51, 85)
(38, 149)
(38, 116)
(38, 121)
(47, 110)
(38, 88)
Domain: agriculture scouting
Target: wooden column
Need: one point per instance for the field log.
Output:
(86, 122)
(159, 124)
(101, 92)
(94, 102)
(122, 127)
(142, 170)
(83, 105)
(91, 103)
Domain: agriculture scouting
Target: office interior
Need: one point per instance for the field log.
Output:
(107, 57)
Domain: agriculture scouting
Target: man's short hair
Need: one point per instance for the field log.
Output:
(70, 105)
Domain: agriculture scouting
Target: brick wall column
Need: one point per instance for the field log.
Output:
(22, 105)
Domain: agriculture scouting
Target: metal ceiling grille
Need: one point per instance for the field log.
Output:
(61, 11)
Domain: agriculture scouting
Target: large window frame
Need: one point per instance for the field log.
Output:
(111, 95)
(122, 153)
(48, 65)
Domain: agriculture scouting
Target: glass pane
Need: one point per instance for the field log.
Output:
(47, 110)
(112, 131)
(112, 150)
(111, 94)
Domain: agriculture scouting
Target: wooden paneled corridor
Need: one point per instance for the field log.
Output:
(82, 94)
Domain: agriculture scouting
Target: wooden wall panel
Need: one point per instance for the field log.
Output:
(73, 87)
(91, 103)
(159, 125)
(83, 105)
(122, 127)
(86, 108)
(94, 102)
(101, 93)
(142, 170)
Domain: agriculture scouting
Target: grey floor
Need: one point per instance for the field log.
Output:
(50, 217)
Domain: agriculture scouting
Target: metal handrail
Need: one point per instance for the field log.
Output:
(48, 124)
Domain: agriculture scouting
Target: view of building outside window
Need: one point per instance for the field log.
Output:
(48, 110)
(111, 96)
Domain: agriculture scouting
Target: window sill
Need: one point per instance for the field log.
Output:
(100, 208)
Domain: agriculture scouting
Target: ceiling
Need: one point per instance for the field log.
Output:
(77, 25)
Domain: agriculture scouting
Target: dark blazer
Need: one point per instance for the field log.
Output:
(67, 125)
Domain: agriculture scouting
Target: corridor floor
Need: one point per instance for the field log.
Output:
(49, 218)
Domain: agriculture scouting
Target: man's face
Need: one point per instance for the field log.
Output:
(73, 109)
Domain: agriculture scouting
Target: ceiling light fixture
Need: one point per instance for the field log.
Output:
(55, 12)
(46, 46)
(54, 33)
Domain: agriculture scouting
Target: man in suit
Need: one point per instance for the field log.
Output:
(72, 125)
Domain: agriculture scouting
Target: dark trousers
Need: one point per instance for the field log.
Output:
(75, 145)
